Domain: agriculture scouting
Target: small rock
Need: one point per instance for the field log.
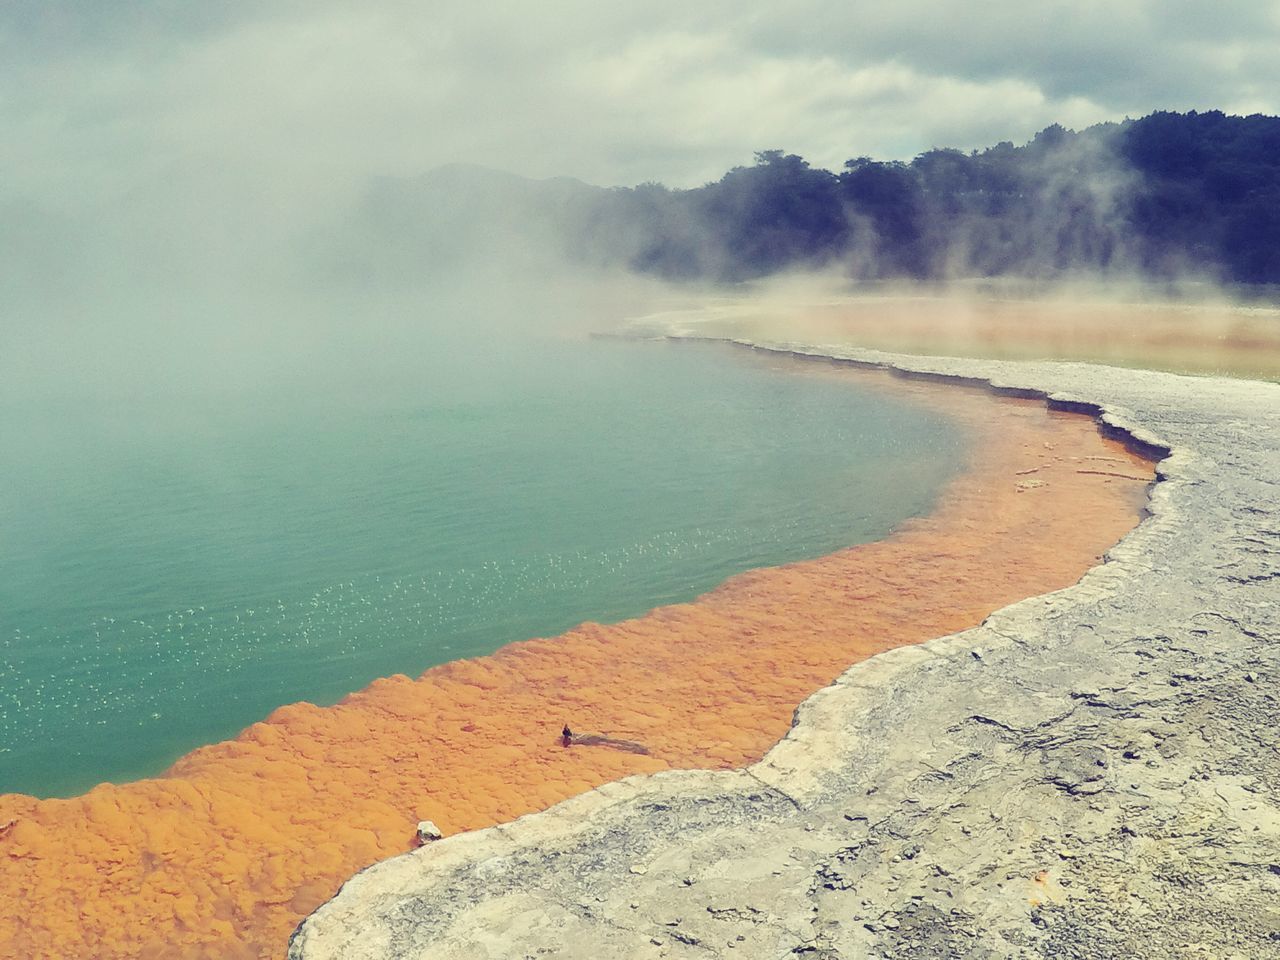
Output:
(639, 871)
(1251, 678)
(428, 831)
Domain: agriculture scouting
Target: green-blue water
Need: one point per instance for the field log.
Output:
(174, 566)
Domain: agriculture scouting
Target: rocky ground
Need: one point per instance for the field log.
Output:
(1093, 773)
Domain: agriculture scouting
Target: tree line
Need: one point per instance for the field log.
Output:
(1165, 196)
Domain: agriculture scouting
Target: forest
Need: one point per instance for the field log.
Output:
(1168, 196)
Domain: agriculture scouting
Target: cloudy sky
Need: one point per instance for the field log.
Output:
(98, 97)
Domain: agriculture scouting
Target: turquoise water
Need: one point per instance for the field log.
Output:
(174, 565)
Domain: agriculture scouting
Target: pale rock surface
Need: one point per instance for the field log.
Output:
(428, 831)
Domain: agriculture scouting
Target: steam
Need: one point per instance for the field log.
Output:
(230, 198)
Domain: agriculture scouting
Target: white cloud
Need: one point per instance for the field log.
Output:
(279, 106)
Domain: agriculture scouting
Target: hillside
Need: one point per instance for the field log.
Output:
(1168, 196)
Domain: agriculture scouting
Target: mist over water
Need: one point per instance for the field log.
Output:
(256, 456)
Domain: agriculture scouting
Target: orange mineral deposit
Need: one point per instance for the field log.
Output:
(225, 853)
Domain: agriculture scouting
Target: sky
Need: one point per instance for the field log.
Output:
(144, 139)
(292, 99)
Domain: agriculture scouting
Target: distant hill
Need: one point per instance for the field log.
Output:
(1169, 195)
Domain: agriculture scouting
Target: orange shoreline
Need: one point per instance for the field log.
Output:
(238, 841)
